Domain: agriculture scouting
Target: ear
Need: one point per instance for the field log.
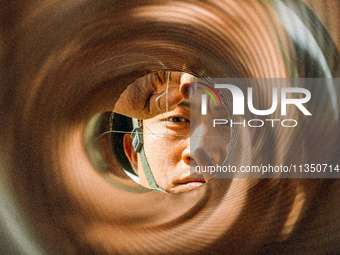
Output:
(130, 152)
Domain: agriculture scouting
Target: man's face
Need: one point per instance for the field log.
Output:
(170, 140)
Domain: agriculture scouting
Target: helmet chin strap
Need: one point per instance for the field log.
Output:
(137, 142)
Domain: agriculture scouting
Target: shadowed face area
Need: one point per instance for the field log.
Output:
(171, 140)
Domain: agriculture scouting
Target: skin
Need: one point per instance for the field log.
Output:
(148, 89)
(187, 138)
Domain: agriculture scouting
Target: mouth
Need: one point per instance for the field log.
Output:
(190, 183)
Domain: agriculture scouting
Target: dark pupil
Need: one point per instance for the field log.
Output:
(177, 119)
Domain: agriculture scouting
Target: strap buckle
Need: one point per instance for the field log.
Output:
(137, 139)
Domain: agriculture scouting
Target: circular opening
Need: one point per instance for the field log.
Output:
(167, 132)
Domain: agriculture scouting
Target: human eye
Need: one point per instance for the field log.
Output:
(176, 122)
(179, 120)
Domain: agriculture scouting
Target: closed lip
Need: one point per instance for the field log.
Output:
(187, 183)
(187, 179)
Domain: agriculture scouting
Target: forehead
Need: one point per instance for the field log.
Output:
(188, 106)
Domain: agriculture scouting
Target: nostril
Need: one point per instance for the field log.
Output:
(186, 157)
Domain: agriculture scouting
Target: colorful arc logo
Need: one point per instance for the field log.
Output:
(212, 89)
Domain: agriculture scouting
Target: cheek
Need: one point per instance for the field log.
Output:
(164, 155)
(155, 151)
(161, 152)
(163, 148)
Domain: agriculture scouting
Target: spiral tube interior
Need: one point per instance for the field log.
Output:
(66, 62)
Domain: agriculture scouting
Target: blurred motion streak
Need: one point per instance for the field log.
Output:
(65, 62)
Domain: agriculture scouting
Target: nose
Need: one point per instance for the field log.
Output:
(202, 149)
(200, 158)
